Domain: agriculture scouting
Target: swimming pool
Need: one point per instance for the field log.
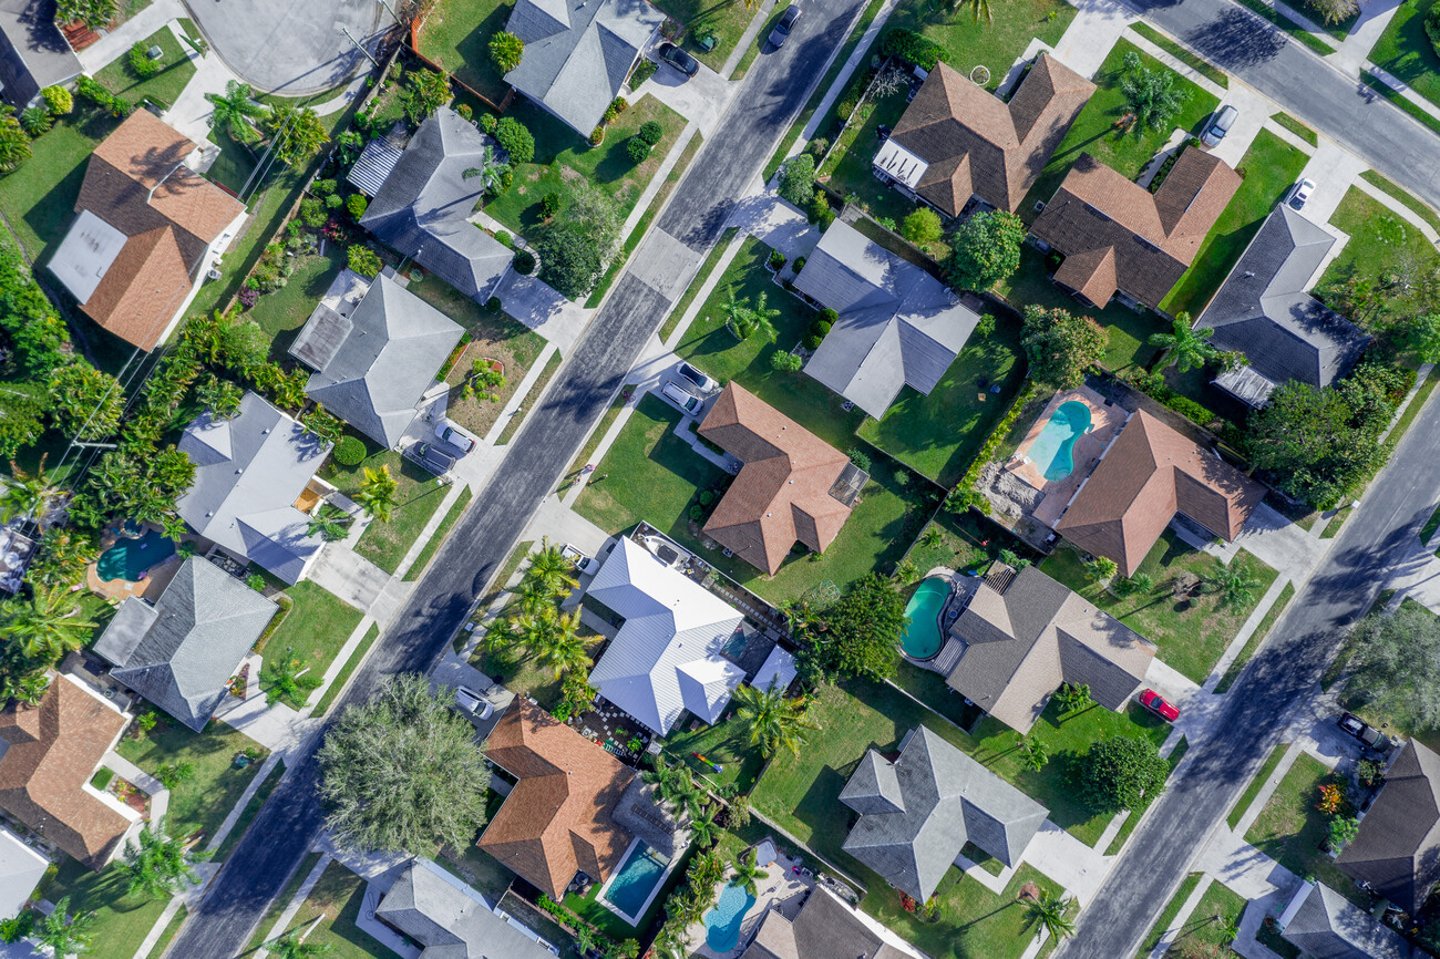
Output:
(922, 638)
(1053, 451)
(724, 919)
(634, 883)
(128, 558)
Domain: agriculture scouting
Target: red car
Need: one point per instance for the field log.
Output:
(1159, 705)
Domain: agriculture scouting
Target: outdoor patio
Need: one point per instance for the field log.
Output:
(1105, 420)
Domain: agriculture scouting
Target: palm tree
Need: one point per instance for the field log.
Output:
(293, 946)
(65, 933)
(1033, 753)
(932, 537)
(49, 626)
(159, 866)
(760, 320)
(26, 494)
(978, 7)
(27, 689)
(1185, 348)
(329, 522)
(1150, 94)
(235, 111)
(584, 937)
(1049, 912)
(556, 641)
(704, 830)
(747, 872)
(551, 571)
(771, 720)
(490, 169)
(1235, 584)
(377, 492)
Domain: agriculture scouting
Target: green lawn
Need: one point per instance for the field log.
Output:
(972, 922)
(562, 156)
(994, 44)
(200, 803)
(437, 539)
(1299, 129)
(38, 199)
(1199, 64)
(314, 630)
(282, 313)
(1269, 168)
(1094, 131)
(724, 743)
(233, 165)
(456, 34)
(1378, 240)
(251, 810)
(1416, 205)
(1256, 638)
(336, 900)
(1242, 805)
(1192, 632)
(959, 546)
(725, 20)
(165, 87)
(847, 170)
(1405, 51)
(121, 920)
(1292, 831)
(420, 493)
(351, 664)
(1168, 914)
(1207, 923)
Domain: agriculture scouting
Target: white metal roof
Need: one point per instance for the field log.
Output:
(900, 164)
(20, 870)
(85, 254)
(779, 668)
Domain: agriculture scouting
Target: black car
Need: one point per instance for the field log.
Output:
(1364, 732)
(781, 33)
(679, 59)
(435, 457)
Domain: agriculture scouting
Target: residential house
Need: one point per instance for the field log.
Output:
(252, 472)
(1264, 310)
(1397, 851)
(450, 920)
(1323, 924)
(825, 927)
(666, 657)
(1148, 475)
(373, 365)
(918, 810)
(1118, 238)
(48, 754)
(1022, 635)
(422, 203)
(33, 53)
(956, 140)
(579, 55)
(793, 486)
(21, 869)
(147, 232)
(180, 652)
(574, 808)
(897, 326)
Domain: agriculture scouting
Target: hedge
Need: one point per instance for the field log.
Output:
(992, 443)
(911, 47)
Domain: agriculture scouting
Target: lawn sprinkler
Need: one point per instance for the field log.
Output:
(716, 768)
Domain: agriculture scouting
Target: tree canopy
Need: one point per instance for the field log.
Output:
(575, 247)
(797, 180)
(1149, 94)
(857, 635)
(985, 249)
(1397, 665)
(1061, 346)
(1122, 772)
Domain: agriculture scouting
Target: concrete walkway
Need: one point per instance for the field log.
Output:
(1353, 52)
(139, 778)
(1088, 40)
(116, 43)
(292, 908)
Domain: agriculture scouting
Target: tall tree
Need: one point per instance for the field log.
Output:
(235, 111)
(1122, 772)
(550, 572)
(425, 91)
(1150, 95)
(88, 403)
(297, 133)
(158, 866)
(329, 522)
(985, 250)
(506, 50)
(1049, 913)
(1185, 348)
(378, 492)
(858, 635)
(66, 933)
(1235, 584)
(25, 494)
(746, 872)
(771, 721)
(50, 625)
(1395, 669)
(1061, 346)
(293, 946)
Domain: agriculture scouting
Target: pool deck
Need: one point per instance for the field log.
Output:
(781, 889)
(117, 591)
(1106, 419)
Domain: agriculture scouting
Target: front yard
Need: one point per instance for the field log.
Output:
(725, 20)
(121, 920)
(335, 901)
(420, 493)
(38, 199)
(313, 630)
(995, 44)
(1191, 631)
(1292, 831)
(163, 88)
(1405, 51)
(1380, 242)
(199, 802)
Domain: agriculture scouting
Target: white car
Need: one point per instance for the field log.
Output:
(689, 403)
(1300, 194)
(470, 703)
(461, 440)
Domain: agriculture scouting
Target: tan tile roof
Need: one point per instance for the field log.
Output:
(1150, 473)
(975, 143)
(1121, 237)
(557, 820)
(137, 183)
(782, 493)
(54, 749)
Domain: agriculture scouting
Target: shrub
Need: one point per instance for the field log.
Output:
(524, 262)
(515, 140)
(786, 362)
(813, 341)
(777, 260)
(323, 187)
(644, 70)
(551, 203)
(312, 213)
(506, 51)
(597, 135)
(828, 316)
(466, 111)
(350, 451)
(256, 582)
(36, 120)
(800, 265)
(487, 122)
(922, 226)
(820, 327)
(911, 47)
(58, 100)
(818, 212)
(364, 260)
(1432, 26)
(493, 304)
(140, 63)
(334, 201)
(651, 132)
(817, 147)
(356, 205)
(504, 238)
(637, 150)
(797, 180)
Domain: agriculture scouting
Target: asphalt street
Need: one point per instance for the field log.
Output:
(1276, 685)
(775, 89)
(1339, 106)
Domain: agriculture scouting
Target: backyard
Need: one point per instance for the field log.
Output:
(313, 630)
(456, 34)
(164, 88)
(847, 169)
(1405, 51)
(1191, 631)
(282, 313)
(1292, 831)
(420, 493)
(725, 743)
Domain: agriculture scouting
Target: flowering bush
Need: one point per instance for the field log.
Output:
(249, 297)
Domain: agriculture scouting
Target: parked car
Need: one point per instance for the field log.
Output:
(688, 402)
(455, 436)
(1159, 705)
(1220, 125)
(1300, 194)
(701, 382)
(435, 457)
(470, 703)
(781, 33)
(679, 59)
(1363, 731)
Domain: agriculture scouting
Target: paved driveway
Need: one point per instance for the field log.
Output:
(287, 46)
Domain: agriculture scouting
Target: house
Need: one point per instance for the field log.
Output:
(898, 325)
(665, 659)
(578, 55)
(423, 203)
(825, 927)
(1118, 238)
(1324, 924)
(48, 754)
(33, 53)
(1022, 635)
(147, 231)
(1263, 310)
(21, 869)
(574, 808)
(252, 472)
(1397, 851)
(956, 140)
(1147, 475)
(450, 920)
(180, 652)
(793, 486)
(918, 810)
(373, 366)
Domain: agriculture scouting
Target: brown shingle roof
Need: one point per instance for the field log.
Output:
(977, 144)
(557, 820)
(782, 493)
(54, 749)
(137, 183)
(1150, 473)
(1118, 236)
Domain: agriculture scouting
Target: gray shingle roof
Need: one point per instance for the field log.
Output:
(33, 54)
(578, 54)
(1398, 848)
(898, 325)
(1264, 311)
(949, 799)
(379, 361)
(249, 470)
(450, 920)
(180, 652)
(1328, 926)
(824, 928)
(424, 206)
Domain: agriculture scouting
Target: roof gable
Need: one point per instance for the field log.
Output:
(1397, 850)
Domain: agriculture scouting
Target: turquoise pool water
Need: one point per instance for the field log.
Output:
(635, 880)
(1053, 451)
(724, 919)
(922, 637)
(128, 558)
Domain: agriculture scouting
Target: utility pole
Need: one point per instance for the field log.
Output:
(358, 45)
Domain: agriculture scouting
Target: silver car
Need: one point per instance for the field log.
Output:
(1220, 125)
(472, 704)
